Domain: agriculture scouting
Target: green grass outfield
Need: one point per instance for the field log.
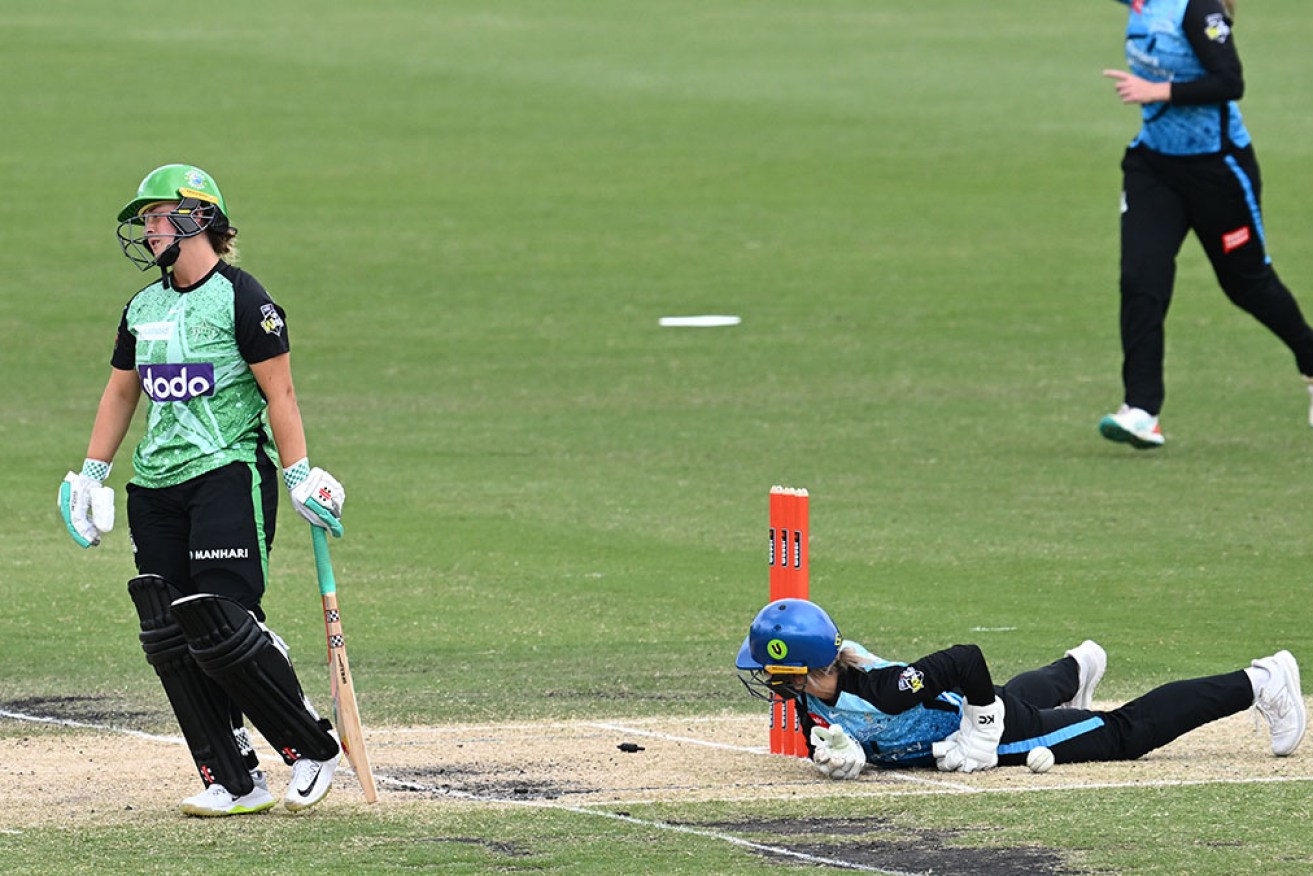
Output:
(475, 213)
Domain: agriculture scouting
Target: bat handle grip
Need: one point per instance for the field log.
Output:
(323, 567)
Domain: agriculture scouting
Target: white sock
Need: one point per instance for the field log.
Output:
(1258, 676)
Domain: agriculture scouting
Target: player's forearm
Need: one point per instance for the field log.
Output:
(289, 432)
(114, 415)
(275, 379)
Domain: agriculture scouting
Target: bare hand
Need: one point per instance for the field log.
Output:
(1133, 89)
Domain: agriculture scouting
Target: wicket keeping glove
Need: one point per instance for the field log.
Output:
(835, 753)
(316, 495)
(86, 504)
(974, 746)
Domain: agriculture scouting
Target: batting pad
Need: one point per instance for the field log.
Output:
(201, 706)
(237, 652)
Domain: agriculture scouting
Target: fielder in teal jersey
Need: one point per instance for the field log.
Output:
(944, 709)
(209, 349)
(1191, 168)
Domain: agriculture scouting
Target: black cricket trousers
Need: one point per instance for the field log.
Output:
(1218, 197)
(1074, 735)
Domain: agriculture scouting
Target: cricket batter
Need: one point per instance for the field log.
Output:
(945, 710)
(208, 348)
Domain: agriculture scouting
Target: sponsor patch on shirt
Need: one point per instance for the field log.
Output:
(1216, 28)
(1233, 240)
(911, 679)
(155, 331)
(270, 321)
(167, 382)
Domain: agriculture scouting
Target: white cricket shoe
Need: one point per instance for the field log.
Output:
(1309, 381)
(1092, 662)
(1133, 426)
(216, 800)
(1281, 702)
(310, 782)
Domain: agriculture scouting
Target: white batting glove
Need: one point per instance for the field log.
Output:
(316, 495)
(86, 504)
(974, 747)
(835, 753)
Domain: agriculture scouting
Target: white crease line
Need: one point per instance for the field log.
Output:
(642, 822)
(447, 729)
(670, 737)
(153, 737)
(68, 722)
(851, 793)
(760, 749)
(905, 776)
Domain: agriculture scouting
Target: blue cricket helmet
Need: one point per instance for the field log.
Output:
(790, 637)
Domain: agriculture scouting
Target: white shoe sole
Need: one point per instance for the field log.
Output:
(296, 799)
(1095, 668)
(1114, 431)
(248, 805)
(1286, 661)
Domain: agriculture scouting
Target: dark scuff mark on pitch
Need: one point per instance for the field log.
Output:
(879, 842)
(85, 709)
(510, 850)
(484, 782)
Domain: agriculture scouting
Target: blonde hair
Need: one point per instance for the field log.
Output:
(849, 658)
(1228, 6)
(225, 244)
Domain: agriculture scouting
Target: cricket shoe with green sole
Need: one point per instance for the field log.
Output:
(217, 801)
(1133, 426)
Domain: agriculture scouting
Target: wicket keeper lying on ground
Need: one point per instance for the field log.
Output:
(208, 348)
(944, 708)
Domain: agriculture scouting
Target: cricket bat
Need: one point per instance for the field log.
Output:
(346, 713)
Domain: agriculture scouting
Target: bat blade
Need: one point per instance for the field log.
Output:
(346, 713)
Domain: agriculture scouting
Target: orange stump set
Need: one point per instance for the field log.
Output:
(788, 579)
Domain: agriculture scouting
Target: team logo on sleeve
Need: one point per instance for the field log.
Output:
(270, 321)
(1216, 28)
(911, 679)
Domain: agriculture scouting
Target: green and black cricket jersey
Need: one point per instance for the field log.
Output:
(192, 348)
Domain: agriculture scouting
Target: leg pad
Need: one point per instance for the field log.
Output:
(202, 708)
(245, 659)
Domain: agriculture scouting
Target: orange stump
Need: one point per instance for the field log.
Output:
(788, 579)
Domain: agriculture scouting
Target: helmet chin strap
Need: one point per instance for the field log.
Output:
(166, 260)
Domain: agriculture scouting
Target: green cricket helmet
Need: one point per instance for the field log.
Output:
(174, 182)
(200, 208)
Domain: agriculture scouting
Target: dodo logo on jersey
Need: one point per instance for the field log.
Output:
(176, 383)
